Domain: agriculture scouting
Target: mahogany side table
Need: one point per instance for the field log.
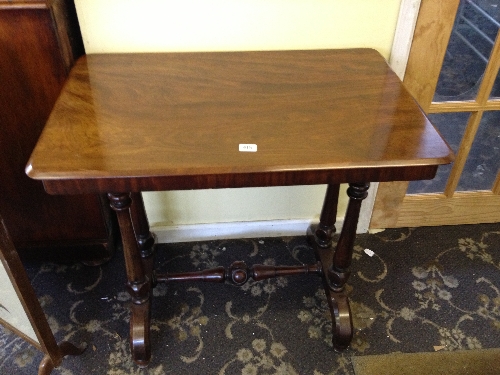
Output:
(126, 123)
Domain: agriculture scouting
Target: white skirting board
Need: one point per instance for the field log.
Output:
(219, 231)
(251, 229)
(255, 229)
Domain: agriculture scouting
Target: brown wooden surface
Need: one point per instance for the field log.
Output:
(174, 121)
(432, 32)
(38, 43)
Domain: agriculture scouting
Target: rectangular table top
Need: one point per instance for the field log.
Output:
(159, 121)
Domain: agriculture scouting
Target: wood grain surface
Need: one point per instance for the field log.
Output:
(175, 121)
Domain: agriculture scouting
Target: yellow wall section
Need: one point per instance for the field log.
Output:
(207, 25)
(215, 25)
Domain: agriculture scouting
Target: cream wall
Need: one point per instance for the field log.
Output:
(209, 25)
(182, 25)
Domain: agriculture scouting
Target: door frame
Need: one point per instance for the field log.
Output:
(392, 207)
(403, 36)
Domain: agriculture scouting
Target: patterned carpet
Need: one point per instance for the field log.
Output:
(423, 288)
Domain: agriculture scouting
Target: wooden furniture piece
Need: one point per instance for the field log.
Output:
(21, 312)
(39, 42)
(127, 123)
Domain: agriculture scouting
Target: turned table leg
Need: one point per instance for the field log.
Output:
(138, 275)
(324, 231)
(145, 239)
(336, 262)
(339, 271)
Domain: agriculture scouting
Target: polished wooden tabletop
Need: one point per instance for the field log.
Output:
(131, 122)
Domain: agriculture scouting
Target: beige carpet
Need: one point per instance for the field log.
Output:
(466, 362)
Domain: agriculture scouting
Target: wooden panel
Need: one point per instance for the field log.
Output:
(387, 204)
(432, 33)
(463, 208)
(37, 45)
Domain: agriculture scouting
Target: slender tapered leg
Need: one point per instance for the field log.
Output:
(335, 263)
(339, 271)
(138, 282)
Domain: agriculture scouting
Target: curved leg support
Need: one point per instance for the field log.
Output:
(65, 348)
(46, 366)
(342, 328)
(139, 333)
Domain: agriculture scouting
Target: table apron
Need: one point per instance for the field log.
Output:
(237, 180)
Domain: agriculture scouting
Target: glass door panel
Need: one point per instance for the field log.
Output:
(483, 162)
(469, 49)
(470, 59)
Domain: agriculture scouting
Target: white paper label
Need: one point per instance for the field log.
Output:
(369, 252)
(246, 147)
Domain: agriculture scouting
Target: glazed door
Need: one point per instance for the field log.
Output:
(453, 72)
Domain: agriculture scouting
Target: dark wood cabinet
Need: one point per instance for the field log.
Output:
(39, 42)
